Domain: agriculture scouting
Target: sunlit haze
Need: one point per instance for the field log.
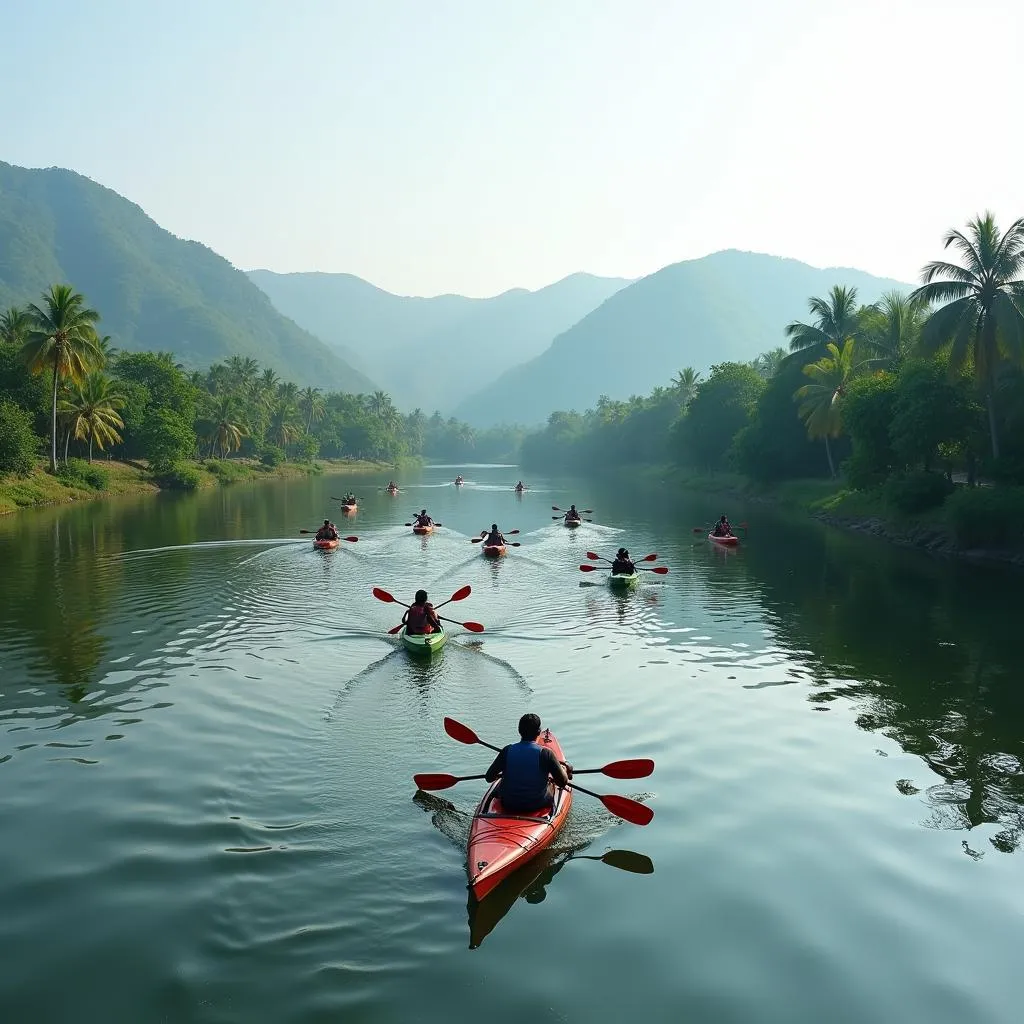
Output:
(474, 147)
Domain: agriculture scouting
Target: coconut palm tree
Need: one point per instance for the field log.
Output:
(835, 319)
(91, 411)
(288, 393)
(283, 429)
(226, 431)
(892, 327)
(767, 363)
(14, 326)
(685, 384)
(980, 318)
(311, 402)
(62, 339)
(821, 401)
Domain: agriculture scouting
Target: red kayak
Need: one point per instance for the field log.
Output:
(494, 550)
(326, 545)
(500, 842)
(423, 529)
(726, 542)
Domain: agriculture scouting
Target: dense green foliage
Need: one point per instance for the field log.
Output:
(18, 443)
(156, 291)
(899, 409)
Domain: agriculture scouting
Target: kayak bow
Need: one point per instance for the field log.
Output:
(623, 580)
(572, 523)
(424, 644)
(500, 842)
(493, 550)
(326, 545)
(725, 542)
(423, 529)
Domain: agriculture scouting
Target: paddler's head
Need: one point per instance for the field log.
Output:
(494, 527)
(623, 553)
(327, 522)
(423, 511)
(421, 597)
(529, 727)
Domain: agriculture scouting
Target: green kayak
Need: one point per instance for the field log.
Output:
(622, 580)
(425, 644)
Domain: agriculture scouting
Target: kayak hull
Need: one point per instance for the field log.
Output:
(500, 842)
(572, 524)
(422, 530)
(326, 545)
(494, 550)
(621, 581)
(725, 542)
(348, 510)
(424, 645)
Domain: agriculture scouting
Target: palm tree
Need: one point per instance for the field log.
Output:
(14, 326)
(821, 402)
(91, 411)
(62, 338)
(288, 392)
(767, 363)
(981, 316)
(311, 402)
(226, 432)
(242, 369)
(835, 319)
(378, 403)
(282, 430)
(892, 327)
(106, 350)
(685, 384)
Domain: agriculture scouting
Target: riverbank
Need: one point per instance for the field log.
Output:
(938, 531)
(103, 479)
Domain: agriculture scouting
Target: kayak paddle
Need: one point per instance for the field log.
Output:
(595, 557)
(435, 523)
(473, 627)
(483, 536)
(351, 540)
(661, 570)
(582, 511)
(635, 769)
(460, 595)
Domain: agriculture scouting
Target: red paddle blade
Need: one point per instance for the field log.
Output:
(434, 781)
(659, 569)
(461, 594)
(460, 732)
(631, 810)
(649, 558)
(636, 768)
(473, 627)
(383, 595)
(555, 508)
(588, 568)
(392, 632)
(512, 533)
(593, 556)
(351, 540)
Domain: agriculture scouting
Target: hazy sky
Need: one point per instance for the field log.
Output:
(473, 146)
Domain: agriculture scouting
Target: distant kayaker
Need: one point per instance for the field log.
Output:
(572, 516)
(423, 519)
(623, 564)
(722, 528)
(420, 617)
(495, 537)
(520, 486)
(392, 487)
(327, 531)
(527, 771)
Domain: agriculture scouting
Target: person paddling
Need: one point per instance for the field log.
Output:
(392, 487)
(572, 516)
(520, 486)
(722, 527)
(327, 531)
(623, 564)
(495, 537)
(529, 772)
(420, 617)
(423, 519)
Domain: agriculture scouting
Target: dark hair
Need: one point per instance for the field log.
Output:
(327, 522)
(421, 597)
(423, 512)
(529, 726)
(622, 551)
(494, 526)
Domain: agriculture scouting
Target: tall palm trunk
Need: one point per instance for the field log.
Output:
(90, 447)
(53, 425)
(993, 430)
(828, 452)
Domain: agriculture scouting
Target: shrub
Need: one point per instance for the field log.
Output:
(226, 472)
(307, 448)
(916, 492)
(79, 473)
(272, 455)
(986, 517)
(179, 476)
(18, 442)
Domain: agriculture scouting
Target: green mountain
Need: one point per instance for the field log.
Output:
(727, 306)
(392, 336)
(154, 291)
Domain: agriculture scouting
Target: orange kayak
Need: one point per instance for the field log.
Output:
(494, 550)
(423, 529)
(726, 542)
(347, 510)
(501, 842)
(326, 545)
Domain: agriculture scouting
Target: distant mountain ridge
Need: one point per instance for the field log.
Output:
(153, 290)
(433, 352)
(730, 305)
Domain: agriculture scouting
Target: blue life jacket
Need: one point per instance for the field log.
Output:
(524, 784)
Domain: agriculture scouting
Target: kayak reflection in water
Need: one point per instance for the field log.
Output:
(722, 527)
(623, 564)
(420, 617)
(495, 537)
(572, 516)
(327, 532)
(527, 771)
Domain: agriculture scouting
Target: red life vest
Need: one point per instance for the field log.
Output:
(416, 620)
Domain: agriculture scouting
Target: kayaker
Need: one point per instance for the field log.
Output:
(623, 564)
(527, 771)
(327, 531)
(495, 537)
(520, 486)
(722, 528)
(423, 519)
(392, 487)
(572, 516)
(420, 617)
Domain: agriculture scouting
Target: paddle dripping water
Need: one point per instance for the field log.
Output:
(207, 741)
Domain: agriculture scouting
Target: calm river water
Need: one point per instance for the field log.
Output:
(207, 744)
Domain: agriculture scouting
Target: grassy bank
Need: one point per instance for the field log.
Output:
(80, 482)
(983, 523)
